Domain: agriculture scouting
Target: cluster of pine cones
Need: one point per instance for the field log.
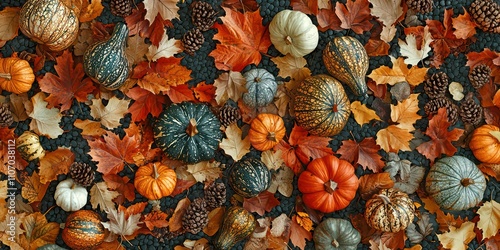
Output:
(203, 16)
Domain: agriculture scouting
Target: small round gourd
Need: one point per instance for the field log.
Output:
(455, 183)
(249, 177)
(266, 131)
(155, 180)
(237, 224)
(188, 132)
(83, 230)
(485, 144)
(261, 87)
(292, 32)
(346, 59)
(390, 211)
(50, 23)
(321, 105)
(16, 75)
(336, 234)
(106, 61)
(70, 196)
(29, 147)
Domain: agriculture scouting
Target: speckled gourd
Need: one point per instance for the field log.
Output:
(29, 147)
(249, 177)
(390, 210)
(237, 224)
(106, 62)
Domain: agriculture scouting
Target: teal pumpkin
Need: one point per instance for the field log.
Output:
(261, 88)
(336, 234)
(455, 183)
(346, 59)
(249, 177)
(106, 62)
(188, 132)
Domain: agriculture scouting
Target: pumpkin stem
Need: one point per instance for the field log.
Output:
(155, 172)
(288, 40)
(495, 134)
(6, 76)
(330, 186)
(335, 243)
(257, 79)
(191, 129)
(335, 108)
(385, 199)
(466, 182)
(272, 136)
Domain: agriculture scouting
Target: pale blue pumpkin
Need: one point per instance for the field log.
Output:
(261, 87)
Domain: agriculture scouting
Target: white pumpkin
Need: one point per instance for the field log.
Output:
(70, 196)
(293, 32)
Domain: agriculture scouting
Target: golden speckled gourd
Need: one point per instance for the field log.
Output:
(50, 23)
(237, 224)
(29, 147)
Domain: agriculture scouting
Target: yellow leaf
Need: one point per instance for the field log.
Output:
(458, 239)
(394, 138)
(293, 67)
(489, 218)
(384, 74)
(363, 114)
(398, 73)
(91, 10)
(405, 113)
(416, 75)
(229, 85)
(205, 171)
(90, 128)
(233, 145)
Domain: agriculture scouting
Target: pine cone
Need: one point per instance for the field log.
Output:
(471, 111)
(193, 40)
(215, 195)
(203, 15)
(6, 118)
(486, 14)
(229, 114)
(421, 6)
(435, 86)
(81, 173)
(121, 8)
(480, 75)
(434, 105)
(163, 233)
(196, 216)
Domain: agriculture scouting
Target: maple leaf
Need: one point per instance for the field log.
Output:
(102, 197)
(136, 49)
(233, 145)
(215, 218)
(394, 240)
(458, 238)
(38, 231)
(405, 113)
(180, 93)
(242, 38)
(394, 138)
(398, 73)
(489, 218)
(371, 184)
(487, 57)
(167, 9)
(89, 128)
(155, 219)
(409, 49)
(363, 114)
(90, 9)
(299, 235)
(9, 23)
(327, 19)
(490, 169)
(111, 153)
(388, 12)
(161, 75)
(55, 163)
(68, 84)
(109, 115)
(122, 186)
(272, 159)
(377, 47)
(145, 103)
(364, 153)
(241, 5)
(120, 224)
(166, 48)
(282, 182)
(205, 171)
(45, 121)
(354, 15)
(441, 138)
(261, 203)
(33, 190)
(424, 228)
(229, 85)
(204, 92)
(309, 7)
(464, 26)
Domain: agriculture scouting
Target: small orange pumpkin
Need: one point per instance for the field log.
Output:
(328, 184)
(485, 144)
(16, 75)
(155, 180)
(266, 130)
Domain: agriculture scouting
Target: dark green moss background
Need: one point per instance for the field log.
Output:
(203, 69)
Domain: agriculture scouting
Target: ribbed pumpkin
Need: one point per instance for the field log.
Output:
(237, 224)
(390, 211)
(328, 184)
(83, 230)
(455, 183)
(321, 105)
(106, 61)
(29, 147)
(485, 144)
(49, 22)
(188, 132)
(249, 177)
(70, 196)
(261, 87)
(16, 75)
(266, 131)
(155, 180)
(336, 234)
(346, 59)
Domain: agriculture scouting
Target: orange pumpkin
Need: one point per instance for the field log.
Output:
(266, 130)
(485, 144)
(83, 230)
(328, 184)
(16, 75)
(155, 180)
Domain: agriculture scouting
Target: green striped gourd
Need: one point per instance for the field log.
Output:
(83, 230)
(106, 62)
(237, 224)
(249, 177)
(29, 147)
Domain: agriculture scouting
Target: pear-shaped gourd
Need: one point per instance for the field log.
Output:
(346, 59)
(237, 224)
(106, 62)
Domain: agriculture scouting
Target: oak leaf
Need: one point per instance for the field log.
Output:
(354, 15)
(9, 23)
(405, 113)
(156, 219)
(121, 225)
(388, 12)
(394, 138)
(299, 235)
(458, 238)
(242, 39)
(489, 218)
(464, 26)
(44, 121)
(262, 203)
(38, 231)
(205, 171)
(167, 9)
(362, 114)
(364, 153)
(410, 50)
(122, 186)
(55, 163)
(371, 184)
(109, 115)
(233, 145)
(166, 48)
(102, 197)
(145, 103)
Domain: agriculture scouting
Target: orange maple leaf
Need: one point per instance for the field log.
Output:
(464, 26)
(145, 103)
(204, 92)
(299, 235)
(487, 57)
(55, 163)
(68, 84)
(156, 219)
(180, 93)
(354, 15)
(157, 77)
(441, 138)
(377, 47)
(122, 185)
(364, 153)
(242, 39)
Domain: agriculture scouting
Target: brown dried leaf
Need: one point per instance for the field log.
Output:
(214, 221)
(175, 222)
(55, 163)
(372, 183)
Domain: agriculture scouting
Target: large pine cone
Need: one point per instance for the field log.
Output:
(215, 195)
(486, 14)
(470, 111)
(203, 15)
(436, 85)
(480, 75)
(421, 6)
(192, 41)
(196, 216)
(121, 8)
(434, 105)
(81, 173)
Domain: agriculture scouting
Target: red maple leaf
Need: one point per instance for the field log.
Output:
(364, 153)
(242, 39)
(122, 185)
(180, 93)
(487, 57)
(145, 103)
(441, 138)
(136, 22)
(261, 203)
(354, 15)
(69, 83)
